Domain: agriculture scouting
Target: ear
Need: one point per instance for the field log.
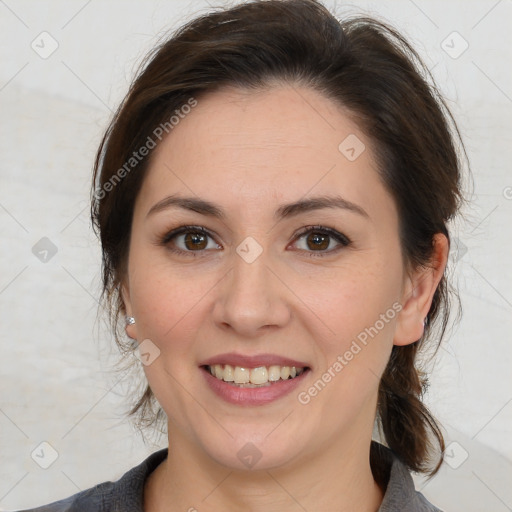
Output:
(418, 292)
(131, 330)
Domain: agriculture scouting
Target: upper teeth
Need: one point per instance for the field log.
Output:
(260, 375)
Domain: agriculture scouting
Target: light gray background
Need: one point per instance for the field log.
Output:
(56, 380)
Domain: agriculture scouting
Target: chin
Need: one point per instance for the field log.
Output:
(254, 449)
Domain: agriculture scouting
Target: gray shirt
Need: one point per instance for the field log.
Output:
(127, 493)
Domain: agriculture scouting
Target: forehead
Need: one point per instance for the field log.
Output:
(246, 149)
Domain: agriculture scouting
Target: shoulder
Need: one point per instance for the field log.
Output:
(400, 493)
(126, 494)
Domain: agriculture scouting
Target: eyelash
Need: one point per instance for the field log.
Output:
(342, 239)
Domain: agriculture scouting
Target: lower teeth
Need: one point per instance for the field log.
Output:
(250, 384)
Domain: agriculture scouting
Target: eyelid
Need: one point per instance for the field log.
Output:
(181, 230)
(339, 237)
(185, 229)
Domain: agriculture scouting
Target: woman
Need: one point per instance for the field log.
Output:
(272, 200)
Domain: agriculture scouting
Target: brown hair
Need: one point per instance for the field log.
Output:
(362, 64)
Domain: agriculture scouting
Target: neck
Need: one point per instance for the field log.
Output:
(339, 479)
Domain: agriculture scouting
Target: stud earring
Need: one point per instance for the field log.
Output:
(133, 342)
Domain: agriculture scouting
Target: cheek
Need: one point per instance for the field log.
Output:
(170, 309)
(355, 300)
(167, 300)
(359, 306)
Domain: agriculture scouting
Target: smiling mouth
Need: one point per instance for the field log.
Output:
(254, 377)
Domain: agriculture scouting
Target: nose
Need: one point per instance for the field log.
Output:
(252, 298)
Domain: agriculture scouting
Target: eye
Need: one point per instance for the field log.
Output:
(189, 239)
(195, 239)
(322, 240)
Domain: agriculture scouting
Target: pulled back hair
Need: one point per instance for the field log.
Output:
(365, 66)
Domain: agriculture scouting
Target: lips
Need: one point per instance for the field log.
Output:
(245, 361)
(252, 380)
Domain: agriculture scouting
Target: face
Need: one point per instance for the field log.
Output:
(248, 288)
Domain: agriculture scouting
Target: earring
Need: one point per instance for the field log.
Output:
(133, 342)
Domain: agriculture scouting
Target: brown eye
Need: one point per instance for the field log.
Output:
(189, 240)
(320, 241)
(317, 241)
(195, 241)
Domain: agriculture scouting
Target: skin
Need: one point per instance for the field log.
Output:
(250, 152)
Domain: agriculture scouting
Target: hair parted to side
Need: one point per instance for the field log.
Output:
(363, 65)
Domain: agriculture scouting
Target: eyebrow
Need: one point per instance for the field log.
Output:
(209, 209)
